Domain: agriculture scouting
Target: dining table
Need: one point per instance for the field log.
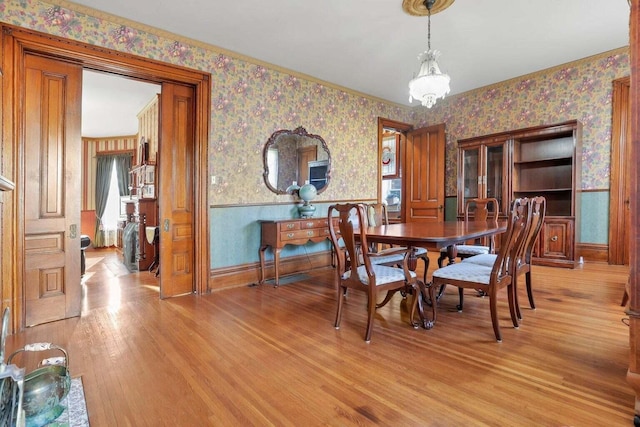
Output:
(442, 234)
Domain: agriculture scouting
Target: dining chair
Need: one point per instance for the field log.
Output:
(377, 215)
(522, 263)
(490, 279)
(486, 209)
(356, 270)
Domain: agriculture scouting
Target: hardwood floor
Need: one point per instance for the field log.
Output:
(270, 356)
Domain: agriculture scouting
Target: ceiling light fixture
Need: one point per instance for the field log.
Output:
(431, 83)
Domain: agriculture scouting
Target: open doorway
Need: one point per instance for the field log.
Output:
(118, 114)
(45, 159)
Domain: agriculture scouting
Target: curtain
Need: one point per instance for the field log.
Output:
(103, 180)
(123, 166)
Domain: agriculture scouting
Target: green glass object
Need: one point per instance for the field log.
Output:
(307, 193)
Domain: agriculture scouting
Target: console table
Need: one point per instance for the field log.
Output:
(278, 233)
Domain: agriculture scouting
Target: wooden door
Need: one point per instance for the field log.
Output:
(305, 155)
(51, 118)
(620, 196)
(176, 190)
(423, 177)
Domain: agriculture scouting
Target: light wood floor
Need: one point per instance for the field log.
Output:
(270, 356)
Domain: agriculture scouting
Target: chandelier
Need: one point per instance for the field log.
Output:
(431, 83)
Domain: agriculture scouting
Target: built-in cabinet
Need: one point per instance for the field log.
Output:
(537, 161)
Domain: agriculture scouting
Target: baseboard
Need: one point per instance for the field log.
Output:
(593, 252)
(249, 274)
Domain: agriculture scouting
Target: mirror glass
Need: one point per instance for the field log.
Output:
(295, 156)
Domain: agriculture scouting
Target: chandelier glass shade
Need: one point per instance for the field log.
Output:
(430, 83)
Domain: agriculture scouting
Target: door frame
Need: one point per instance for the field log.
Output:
(619, 201)
(402, 129)
(15, 42)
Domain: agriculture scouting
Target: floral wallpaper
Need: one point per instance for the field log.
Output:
(251, 100)
(579, 90)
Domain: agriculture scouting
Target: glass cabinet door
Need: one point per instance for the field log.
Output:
(470, 174)
(483, 172)
(495, 173)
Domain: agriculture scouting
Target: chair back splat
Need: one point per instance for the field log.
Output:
(486, 209)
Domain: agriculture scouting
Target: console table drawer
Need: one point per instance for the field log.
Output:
(288, 226)
(314, 223)
(300, 234)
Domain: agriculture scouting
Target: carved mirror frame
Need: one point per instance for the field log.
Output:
(302, 132)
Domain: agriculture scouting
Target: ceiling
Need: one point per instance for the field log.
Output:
(110, 104)
(371, 46)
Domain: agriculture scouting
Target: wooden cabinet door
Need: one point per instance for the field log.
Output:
(556, 241)
(423, 172)
(51, 121)
(176, 190)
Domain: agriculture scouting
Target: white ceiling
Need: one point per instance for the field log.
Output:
(372, 45)
(110, 104)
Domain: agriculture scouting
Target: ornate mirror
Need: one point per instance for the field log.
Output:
(295, 156)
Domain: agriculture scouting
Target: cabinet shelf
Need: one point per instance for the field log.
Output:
(552, 161)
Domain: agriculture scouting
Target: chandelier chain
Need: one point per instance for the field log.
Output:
(429, 31)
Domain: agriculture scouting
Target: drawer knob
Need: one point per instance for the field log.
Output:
(290, 226)
(310, 233)
(290, 235)
(310, 224)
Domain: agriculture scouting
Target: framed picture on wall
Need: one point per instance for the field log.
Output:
(389, 156)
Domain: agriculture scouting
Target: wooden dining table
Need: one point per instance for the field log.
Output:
(444, 234)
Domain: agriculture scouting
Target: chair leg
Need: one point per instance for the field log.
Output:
(516, 301)
(417, 290)
(461, 294)
(529, 290)
(514, 310)
(443, 256)
(434, 310)
(341, 293)
(494, 316)
(371, 309)
(425, 258)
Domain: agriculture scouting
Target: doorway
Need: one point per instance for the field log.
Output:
(117, 113)
(185, 122)
(392, 137)
(411, 168)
